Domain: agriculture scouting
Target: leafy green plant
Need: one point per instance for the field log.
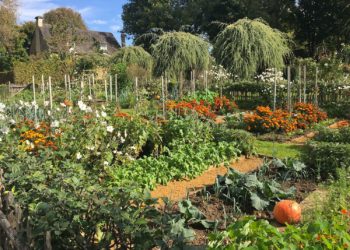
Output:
(244, 140)
(326, 157)
(249, 233)
(248, 192)
(341, 135)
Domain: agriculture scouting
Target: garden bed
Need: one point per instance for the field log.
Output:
(214, 208)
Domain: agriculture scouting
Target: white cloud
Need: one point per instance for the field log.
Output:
(115, 28)
(29, 9)
(98, 22)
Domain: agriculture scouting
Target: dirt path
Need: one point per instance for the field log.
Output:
(178, 190)
(303, 139)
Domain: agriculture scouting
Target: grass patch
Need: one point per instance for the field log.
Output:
(279, 150)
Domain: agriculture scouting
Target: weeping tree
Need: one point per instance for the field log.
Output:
(134, 55)
(247, 46)
(178, 52)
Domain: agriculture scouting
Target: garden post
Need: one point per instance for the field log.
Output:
(316, 87)
(181, 79)
(300, 83)
(90, 90)
(289, 106)
(93, 83)
(163, 97)
(69, 88)
(50, 92)
(106, 91)
(116, 88)
(111, 87)
(304, 83)
(34, 97)
(275, 91)
(65, 85)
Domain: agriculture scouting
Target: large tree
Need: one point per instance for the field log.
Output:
(176, 53)
(203, 16)
(65, 25)
(322, 25)
(247, 46)
(8, 29)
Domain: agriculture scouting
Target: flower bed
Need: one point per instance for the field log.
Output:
(264, 120)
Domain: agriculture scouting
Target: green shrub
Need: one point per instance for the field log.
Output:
(339, 109)
(334, 135)
(244, 140)
(53, 66)
(326, 157)
(188, 130)
(249, 233)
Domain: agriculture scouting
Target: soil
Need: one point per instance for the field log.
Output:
(215, 209)
(178, 190)
(303, 139)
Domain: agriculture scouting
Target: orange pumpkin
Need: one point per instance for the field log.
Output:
(287, 211)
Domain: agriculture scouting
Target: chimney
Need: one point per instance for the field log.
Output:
(39, 21)
(123, 36)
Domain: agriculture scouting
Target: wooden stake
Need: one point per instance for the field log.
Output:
(163, 97)
(69, 89)
(111, 87)
(50, 91)
(289, 106)
(116, 88)
(106, 90)
(65, 85)
(275, 91)
(304, 84)
(316, 87)
(90, 90)
(34, 97)
(300, 83)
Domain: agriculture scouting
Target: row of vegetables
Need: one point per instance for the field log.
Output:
(81, 172)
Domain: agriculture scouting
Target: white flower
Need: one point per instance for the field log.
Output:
(122, 140)
(103, 107)
(103, 114)
(90, 97)
(58, 109)
(49, 113)
(125, 133)
(119, 135)
(105, 163)
(46, 103)
(55, 124)
(103, 123)
(110, 129)
(79, 156)
(91, 148)
(2, 117)
(70, 110)
(2, 107)
(97, 114)
(82, 106)
(63, 105)
(12, 122)
(88, 109)
(5, 130)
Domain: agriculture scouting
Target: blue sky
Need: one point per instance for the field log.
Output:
(100, 15)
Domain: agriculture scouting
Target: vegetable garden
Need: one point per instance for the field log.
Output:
(89, 162)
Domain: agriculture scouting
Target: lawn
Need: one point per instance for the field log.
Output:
(279, 150)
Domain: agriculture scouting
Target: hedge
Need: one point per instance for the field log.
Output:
(325, 157)
(53, 66)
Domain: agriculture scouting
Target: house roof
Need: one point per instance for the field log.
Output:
(89, 40)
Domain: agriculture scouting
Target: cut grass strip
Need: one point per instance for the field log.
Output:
(279, 150)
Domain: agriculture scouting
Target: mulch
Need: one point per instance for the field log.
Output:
(179, 190)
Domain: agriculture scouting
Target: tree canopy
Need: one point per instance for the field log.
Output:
(134, 55)
(247, 46)
(64, 23)
(177, 52)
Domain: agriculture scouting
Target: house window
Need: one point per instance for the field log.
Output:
(104, 47)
